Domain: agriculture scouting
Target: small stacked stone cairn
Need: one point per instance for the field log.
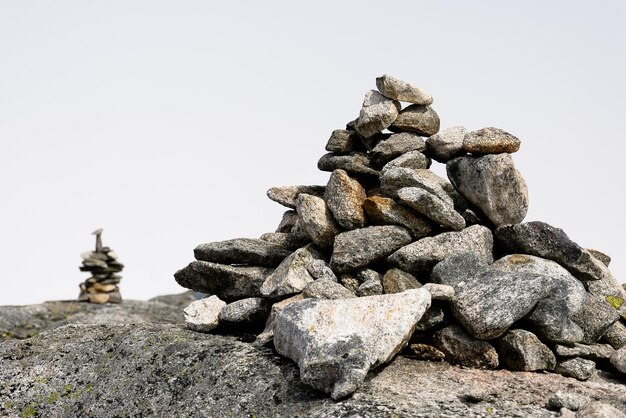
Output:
(388, 256)
(102, 263)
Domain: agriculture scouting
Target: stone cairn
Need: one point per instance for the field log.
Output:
(102, 263)
(389, 257)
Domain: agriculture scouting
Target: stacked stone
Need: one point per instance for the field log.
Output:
(388, 256)
(102, 263)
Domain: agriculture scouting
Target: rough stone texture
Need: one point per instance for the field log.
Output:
(343, 141)
(440, 291)
(490, 141)
(577, 368)
(287, 240)
(618, 359)
(433, 317)
(246, 251)
(316, 220)
(383, 210)
(319, 270)
(463, 349)
(422, 120)
(355, 163)
(326, 289)
(344, 197)
(203, 315)
(616, 335)
(287, 222)
(227, 282)
(595, 317)
(447, 144)
(398, 178)
(368, 274)
(599, 410)
(600, 256)
(165, 370)
(414, 160)
(370, 287)
(267, 335)
(422, 255)
(493, 185)
(521, 350)
(568, 400)
(457, 268)
(587, 351)
(361, 247)
(287, 195)
(397, 281)
(377, 113)
(432, 207)
(396, 89)
(292, 275)
(246, 311)
(395, 146)
(336, 342)
(350, 282)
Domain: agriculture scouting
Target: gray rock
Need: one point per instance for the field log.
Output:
(463, 349)
(618, 359)
(595, 317)
(267, 335)
(245, 312)
(361, 247)
(616, 335)
(229, 283)
(384, 211)
(587, 351)
(355, 163)
(440, 291)
(569, 400)
(600, 256)
(319, 270)
(289, 219)
(397, 281)
(396, 89)
(178, 300)
(521, 350)
(608, 288)
(433, 317)
(577, 368)
(287, 240)
(377, 113)
(395, 146)
(245, 251)
(414, 160)
(292, 275)
(350, 282)
(287, 195)
(370, 287)
(422, 120)
(422, 255)
(326, 289)
(457, 268)
(599, 410)
(471, 218)
(447, 144)
(343, 141)
(344, 197)
(368, 274)
(490, 141)
(492, 184)
(349, 337)
(203, 315)
(398, 178)
(316, 220)
(432, 207)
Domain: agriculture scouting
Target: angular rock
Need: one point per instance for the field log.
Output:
(422, 120)
(595, 317)
(377, 113)
(493, 185)
(395, 89)
(414, 160)
(616, 335)
(287, 240)
(203, 315)
(577, 368)
(268, 333)
(461, 348)
(385, 211)
(432, 207)
(490, 141)
(433, 317)
(344, 197)
(447, 144)
(355, 163)
(370, 287)
(245, 311)
(229, 283)
(326, 289)
(336, 342)
(426, 352)
(457, 268)
(291, 276)
(600, 256)
(316, 220)
(350, 282)
(368, 274)
(397, 178)
(573, 401)
(359, 248)
(287, 195)
(343, 141)
(440, 291)
(422, 255)
(397, 281)
(521, 350)
(586, 351)
(608, 288)
(289, 219)
(395, 146)
(597, 409)
(618, 359)
(246, 251)
(319, 270)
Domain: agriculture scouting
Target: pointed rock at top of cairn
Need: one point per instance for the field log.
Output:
(102, 263)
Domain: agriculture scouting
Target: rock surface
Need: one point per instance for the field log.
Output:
(292, 275)
(326, 289)
(461, 348)
(383, 210)
(396, 89)
(245, 251)
(522, 350)
(432, 207)
(344, 197)
(203, 315)
(419, 119)
(287, 195)
(447, 144)
(395, 146)
(316, 220)
(490, 141)
(377, 113)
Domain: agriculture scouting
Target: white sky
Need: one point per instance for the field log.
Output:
(164, 122)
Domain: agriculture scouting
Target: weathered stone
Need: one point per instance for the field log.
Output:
(457, 268)
(578, 368)
(395, 146)
(395, 89)
(227, 282)
(350, 282)
(427, 352)
(422, 255)
(336, 342)
(344, 197)
(397, 281)
(440, 291)
(361, 247)
(289, 219)
(368, 274)
(414, 160)
(422, 120)
(432, 207)
(471, 218)
(600, 256)
(377, 113)
(573, 401)
(433, 317)
(490, 141)
(492, 184)
(595, 317)
(370, 287)
(608, 289)
(618, 359)
(291, 276)
(616, 335)
(326, 289)
(316, 220)
(461, 348)
(398, 178)
(355, 163)
(287, 195)
(385, 211)
(521, 350)
(248, 311)
(447, 144)
(587, 351)
(203, 315)
(267, 334)
(319, 270)
(287, 240)
(597, 409)
(343, 141)
(246, 251)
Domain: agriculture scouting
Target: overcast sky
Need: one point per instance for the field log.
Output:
(165, 122)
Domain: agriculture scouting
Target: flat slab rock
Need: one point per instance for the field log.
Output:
(245, 251)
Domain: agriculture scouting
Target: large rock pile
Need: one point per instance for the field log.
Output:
(102, 286)
(390, 256)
